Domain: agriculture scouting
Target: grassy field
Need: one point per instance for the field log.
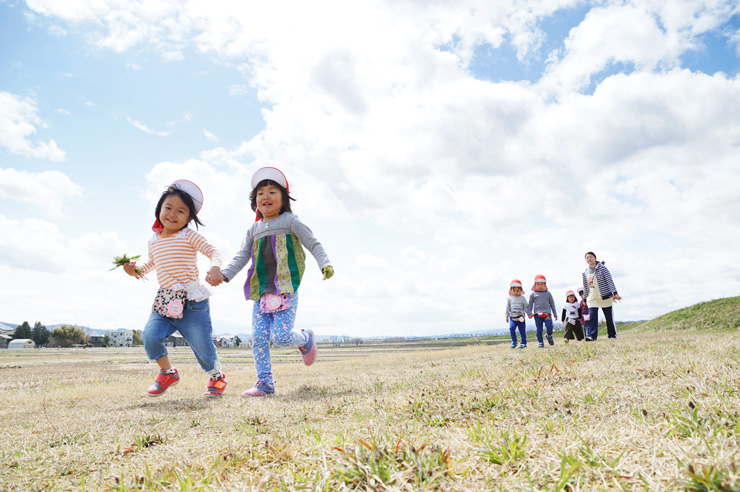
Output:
(654, 410)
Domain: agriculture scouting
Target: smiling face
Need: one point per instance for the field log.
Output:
(269, 201)
(174, 215)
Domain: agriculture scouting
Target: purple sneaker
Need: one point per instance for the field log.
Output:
(260, 389)
(308, 351)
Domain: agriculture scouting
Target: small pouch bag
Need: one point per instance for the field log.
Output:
(543, 315)
(170, 303)
(271, 303)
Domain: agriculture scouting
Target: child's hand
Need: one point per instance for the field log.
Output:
(130, 268)
(328, 272)
(215, 277)
(531, 316)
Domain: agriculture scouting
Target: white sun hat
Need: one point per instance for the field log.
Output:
(271, 173)
(191, 189)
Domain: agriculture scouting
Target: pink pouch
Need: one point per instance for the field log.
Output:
(271, 303)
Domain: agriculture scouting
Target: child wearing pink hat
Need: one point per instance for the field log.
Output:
(516, 307)
(572, 317)
(182, 301)
(274, 244)
(542, 305)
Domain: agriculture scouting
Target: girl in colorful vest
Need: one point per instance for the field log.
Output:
(274, 244)
(542, 305)
(601, 293)
(572, 317)
(172, 252)
(516, 308)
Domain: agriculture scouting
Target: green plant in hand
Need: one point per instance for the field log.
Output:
(119, 261)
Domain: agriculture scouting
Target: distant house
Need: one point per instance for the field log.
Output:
(95, 340)
(175, 340)
(4, 340)
(21, 344)
(225, 341)
(121, 338)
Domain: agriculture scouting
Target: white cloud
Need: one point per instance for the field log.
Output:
(57, 31)
(47, 190)
(19, 120)
(432, 190)
(238, 90)
(62, 111)
(645, 34)
(145, 128)
(210, 136)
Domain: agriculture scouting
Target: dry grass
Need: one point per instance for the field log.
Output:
(652, 411)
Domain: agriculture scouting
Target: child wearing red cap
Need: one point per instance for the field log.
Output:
(542, 305)
(516, 307)
(572, 317)
(182, 300)
(275, 244)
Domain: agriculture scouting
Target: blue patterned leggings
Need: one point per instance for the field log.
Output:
(278, 327)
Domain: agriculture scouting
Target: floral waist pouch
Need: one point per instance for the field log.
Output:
(170, 303)
(272, 303)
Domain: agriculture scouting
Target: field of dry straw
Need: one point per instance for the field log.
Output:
(652, 411)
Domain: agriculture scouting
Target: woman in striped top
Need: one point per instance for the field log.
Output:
(172, 253)
(600, 292)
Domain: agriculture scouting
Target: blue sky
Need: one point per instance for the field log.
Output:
(437, 153)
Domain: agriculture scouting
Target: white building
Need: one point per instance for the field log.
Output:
(121, 338)
(21, 344)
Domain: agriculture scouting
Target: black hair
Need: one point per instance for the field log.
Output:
(594, 255)
(186, 199)
(266, 182)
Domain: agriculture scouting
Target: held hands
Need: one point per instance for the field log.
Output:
(214, 276)
(531, 316)
(328, 272)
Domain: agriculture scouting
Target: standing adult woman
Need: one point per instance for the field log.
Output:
(600, 292)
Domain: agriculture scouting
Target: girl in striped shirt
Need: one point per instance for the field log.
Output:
(172, 252)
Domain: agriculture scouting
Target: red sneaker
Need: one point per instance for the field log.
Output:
(163, 382)
(216, 387)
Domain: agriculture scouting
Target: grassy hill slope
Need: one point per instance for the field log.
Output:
(719, 314)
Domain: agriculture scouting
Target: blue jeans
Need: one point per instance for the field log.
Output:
(538, 322)
(194, 326)
(277, 326)
(522, 326)
(592, 329)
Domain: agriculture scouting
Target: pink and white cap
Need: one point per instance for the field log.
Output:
(515, 283)
(191, 189)
(570, 293)
(271, 173)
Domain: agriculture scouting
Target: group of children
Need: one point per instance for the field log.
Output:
(274, 245)
(541, 307)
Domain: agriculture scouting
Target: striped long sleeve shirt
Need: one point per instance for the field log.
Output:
(604, 279)
(174, 258)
